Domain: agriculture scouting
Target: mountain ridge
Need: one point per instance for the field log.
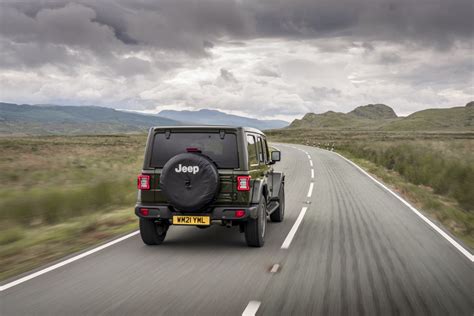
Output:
(215, 117)
(25, 119)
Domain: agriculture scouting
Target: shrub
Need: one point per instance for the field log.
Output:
(52, 205)
(420, 164)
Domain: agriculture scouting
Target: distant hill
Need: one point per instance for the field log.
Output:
(214, 117)
(363, 117)
(374, 112)
(457, 118)
(382, 117)
(54, 119)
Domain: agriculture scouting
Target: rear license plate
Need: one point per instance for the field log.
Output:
(191, 220)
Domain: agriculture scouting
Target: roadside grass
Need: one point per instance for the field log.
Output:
(23, 249)
(445, 167)
(46, 180)
(62, 194)
(434, 171)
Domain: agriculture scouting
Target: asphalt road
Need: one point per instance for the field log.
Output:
(357, 250)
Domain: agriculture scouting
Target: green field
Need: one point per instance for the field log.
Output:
(435, 171)
(60, 194)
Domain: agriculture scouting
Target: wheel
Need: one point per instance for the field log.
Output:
(255, 228)
(151, 232)
(279, 213)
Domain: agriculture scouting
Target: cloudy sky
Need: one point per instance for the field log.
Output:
(265, 58)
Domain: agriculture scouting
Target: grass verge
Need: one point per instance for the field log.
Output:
(23, 249)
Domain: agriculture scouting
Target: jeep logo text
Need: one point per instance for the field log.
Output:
(187, 169)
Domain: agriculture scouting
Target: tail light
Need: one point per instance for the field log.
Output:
(143, 182)
(239, 213)
(243, 183)
(144, 211)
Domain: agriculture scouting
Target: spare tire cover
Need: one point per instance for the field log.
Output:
(189, 181)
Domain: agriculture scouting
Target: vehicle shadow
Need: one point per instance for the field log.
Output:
(212, 237)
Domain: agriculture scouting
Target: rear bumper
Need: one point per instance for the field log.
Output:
(163, 212)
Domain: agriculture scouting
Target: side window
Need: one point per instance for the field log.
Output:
(267, 153)
(252, 150)
(262, 154)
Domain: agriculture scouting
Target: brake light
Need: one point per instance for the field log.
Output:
(144, 211)
(193, 150)
(239, 213)
(243, 183)
(143, 182)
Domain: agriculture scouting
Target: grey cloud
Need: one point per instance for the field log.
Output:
(189, 25)
(455, 74)
(267, 72)
(389, 58)
(326, 93)
(227, 76)
(431, 22)
(108, 28)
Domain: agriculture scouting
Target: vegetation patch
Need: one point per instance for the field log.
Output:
(60, 194)
(23, 249)
(433, 170)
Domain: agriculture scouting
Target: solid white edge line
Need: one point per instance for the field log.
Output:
(311, 163)
(453, 242)
(310, 190)
(65, 262)
(251, 308)
(291, 234)
(312, 173)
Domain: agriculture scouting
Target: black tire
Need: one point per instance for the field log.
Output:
(255, 228)
(151, 232)
(279, 213)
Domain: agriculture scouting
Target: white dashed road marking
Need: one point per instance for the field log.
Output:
(251, 308)
(275, 268)
(310, 190)
(291, 234)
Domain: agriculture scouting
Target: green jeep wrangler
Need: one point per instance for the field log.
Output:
(203, 175)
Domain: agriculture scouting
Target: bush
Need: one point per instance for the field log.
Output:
(48, 205)
(11, 234)
(422, 165)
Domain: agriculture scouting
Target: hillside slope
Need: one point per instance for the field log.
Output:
(374, 112)
(53, 119)
(369, 116)
(382, 117)
(457, 118)
(213, 117)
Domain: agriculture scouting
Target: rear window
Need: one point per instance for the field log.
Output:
(223, 151)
